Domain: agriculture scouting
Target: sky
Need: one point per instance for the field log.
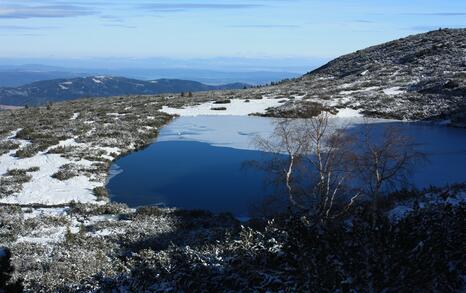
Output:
(261, 29)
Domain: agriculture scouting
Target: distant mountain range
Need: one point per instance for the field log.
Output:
(42, 92)
(19, 75)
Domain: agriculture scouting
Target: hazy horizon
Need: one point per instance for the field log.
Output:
(51, 31)
(224, 64)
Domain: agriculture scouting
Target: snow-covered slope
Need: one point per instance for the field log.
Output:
(418, 77)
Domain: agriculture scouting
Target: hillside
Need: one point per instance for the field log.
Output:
(418, 77)
(42, 92)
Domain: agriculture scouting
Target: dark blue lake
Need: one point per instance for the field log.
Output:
(198, 163)
(191, 175)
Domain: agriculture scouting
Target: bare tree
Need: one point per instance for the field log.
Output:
(384, 160)
(316, 165)
(325, 168)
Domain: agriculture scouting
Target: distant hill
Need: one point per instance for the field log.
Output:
(42, 92)
(14, 78)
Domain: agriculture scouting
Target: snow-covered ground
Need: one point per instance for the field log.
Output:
(235, 107)
(75, 116)
(239, 107)
(228, 131)
(42, 188)
(46, 234)
(348, 113)
(237, 131)
(402, 209)
(393, 91)
(9, 107)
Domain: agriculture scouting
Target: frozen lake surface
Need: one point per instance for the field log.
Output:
(198, 163)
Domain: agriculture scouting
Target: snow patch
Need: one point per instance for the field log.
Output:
(348, 113)
(29, 213)
(102, 218)
(45, 236)
(108, 232)
(403, 209)
(393, 91)
(237, 107)
(367, 89)
(75, 116)
(42, 188)
(115, 114)
(233, 131)
(399, 212)
(347, 85)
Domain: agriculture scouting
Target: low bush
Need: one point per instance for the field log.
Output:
(57, 150)
(223, 102)
(6, 146)
(64, 174)
(100, 192)
(7, 281)
(423, 252)
(151, 211)
(97, 209)
(15, 172)
(218, 108)
(27, 151)
(33, 169)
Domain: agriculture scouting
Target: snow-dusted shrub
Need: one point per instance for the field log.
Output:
(150, 211)
(58, 150)
(95, 209)
(7, 282)
(21, 172)
(13, 181)
(7, 145)
(227, 101)
(422, 252)
(100, 192)
(27, 151)
(64, 174)
(10, 223)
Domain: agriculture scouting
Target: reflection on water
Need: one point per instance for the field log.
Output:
(197, 163)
